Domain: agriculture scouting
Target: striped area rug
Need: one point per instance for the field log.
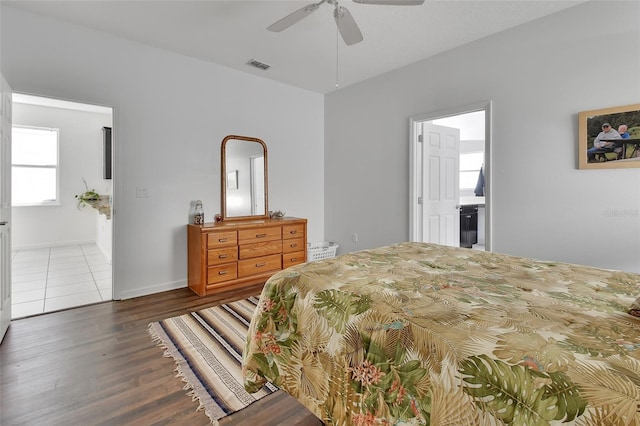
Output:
(207, 348)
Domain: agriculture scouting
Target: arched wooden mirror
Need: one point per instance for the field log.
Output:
(244, 178)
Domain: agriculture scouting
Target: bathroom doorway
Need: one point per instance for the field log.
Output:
(61, 247)
(449, 177)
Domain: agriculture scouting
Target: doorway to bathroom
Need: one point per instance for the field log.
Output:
(61, 251)
(449, 177)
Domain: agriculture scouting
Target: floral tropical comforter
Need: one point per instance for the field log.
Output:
(424, 334)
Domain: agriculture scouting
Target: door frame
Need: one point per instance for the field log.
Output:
(414, 165)
(115, 161)
(5, 206)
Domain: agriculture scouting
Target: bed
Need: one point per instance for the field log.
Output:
(418, 333)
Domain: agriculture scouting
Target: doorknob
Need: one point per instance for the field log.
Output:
(4, 222)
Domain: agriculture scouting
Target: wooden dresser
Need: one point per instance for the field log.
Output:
(241, 253)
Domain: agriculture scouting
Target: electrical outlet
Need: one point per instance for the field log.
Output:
(142, 193)
(354, 237)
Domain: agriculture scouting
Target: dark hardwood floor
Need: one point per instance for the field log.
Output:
(97, 365)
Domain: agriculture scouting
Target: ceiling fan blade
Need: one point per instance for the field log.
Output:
(292, 18)
(347, 26)
(392, 2)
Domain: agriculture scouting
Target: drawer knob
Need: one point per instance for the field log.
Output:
(222, 256)
(260, 265)
(293, 245)
(222, 272)
(293, 232)
(222, 240)
(293, 259)
(261, 235)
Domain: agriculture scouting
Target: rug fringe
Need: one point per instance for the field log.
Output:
(179, 373)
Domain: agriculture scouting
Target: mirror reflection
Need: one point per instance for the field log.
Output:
(244, 178)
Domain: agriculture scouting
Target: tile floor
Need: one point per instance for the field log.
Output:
(53, 278)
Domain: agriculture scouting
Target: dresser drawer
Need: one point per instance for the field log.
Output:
(248, 251)
(259, 265)
(222, 255)
(219, 273)
(221, 239)
(259, 234)
(293, 231)
(290, 259)
(293, 245)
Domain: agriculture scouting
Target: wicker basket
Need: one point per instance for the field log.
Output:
(322, 250)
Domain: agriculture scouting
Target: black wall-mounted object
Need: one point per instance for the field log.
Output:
(106, 138)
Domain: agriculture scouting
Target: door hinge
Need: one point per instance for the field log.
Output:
(419, 200)
(420, 138)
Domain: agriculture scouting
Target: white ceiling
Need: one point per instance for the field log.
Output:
(230, 33)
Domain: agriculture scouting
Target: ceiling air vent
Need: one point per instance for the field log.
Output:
(258, 64)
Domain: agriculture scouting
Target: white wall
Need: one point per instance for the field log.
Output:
(538, 76)
(104, 236)
(170, 115)
(80, 156)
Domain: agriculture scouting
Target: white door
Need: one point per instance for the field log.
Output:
(440, 187)
(5, 206)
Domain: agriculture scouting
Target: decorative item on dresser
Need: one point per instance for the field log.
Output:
(223, 255)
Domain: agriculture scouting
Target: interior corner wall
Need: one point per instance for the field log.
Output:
(79, 157)
(538, 76)
(171, 113)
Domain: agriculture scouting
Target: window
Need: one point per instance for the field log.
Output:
(34, 166)
(470, 164)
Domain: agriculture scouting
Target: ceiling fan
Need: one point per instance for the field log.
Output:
(346, 24)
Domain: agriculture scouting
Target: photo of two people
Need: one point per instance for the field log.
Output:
(610, 138)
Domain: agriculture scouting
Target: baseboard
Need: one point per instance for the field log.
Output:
(145, 291)
(105, 253)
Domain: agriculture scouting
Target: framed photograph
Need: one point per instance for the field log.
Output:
(232, 180)
(609, 138)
